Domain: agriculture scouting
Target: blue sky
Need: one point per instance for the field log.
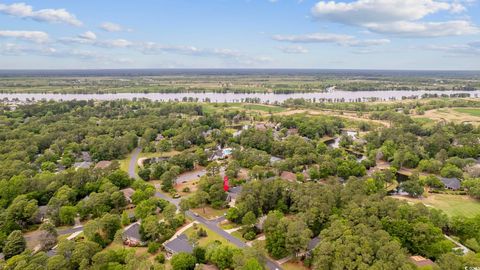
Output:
(358, 34)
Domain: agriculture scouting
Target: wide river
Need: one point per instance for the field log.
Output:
(337, 95)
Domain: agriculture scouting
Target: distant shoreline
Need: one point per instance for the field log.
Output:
(235, 72)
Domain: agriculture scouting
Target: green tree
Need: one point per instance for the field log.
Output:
(14, 245)
(48, 236)
(183, 261)
(67, 215)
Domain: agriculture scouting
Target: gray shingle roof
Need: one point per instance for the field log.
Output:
(133, 232)
(179, 244)
(451, 183)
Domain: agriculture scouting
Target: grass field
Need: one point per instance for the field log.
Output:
(238, 235)
(452, 205)
(211, 236)
(264, 108)
(457, 115)
(294, 265)
(209, 212)
(470, 111)
(124, 163)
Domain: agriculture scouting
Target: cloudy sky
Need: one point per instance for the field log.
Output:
(357, 34)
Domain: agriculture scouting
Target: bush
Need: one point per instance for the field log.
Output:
(153, 247)
(160, 258)
(202, 233)
(250, 235)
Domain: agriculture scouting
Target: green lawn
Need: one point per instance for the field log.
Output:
(238, 235)
(452, 205)
(124, 163)
(211, 236)
(209, 212)
(470, 111)
(264, 108)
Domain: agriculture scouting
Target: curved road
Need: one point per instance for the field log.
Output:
(133, 162)
(212, 225)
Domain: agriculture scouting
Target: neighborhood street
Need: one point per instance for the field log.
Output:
(211, 224)
(133, 162)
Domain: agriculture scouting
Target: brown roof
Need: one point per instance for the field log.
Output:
(420, 261)
(103, 164)
(289, 176)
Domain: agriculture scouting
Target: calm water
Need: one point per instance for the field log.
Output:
(231, 97)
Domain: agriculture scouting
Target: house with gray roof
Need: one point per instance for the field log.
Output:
(131, 235)
(178, 244)
(451, 183)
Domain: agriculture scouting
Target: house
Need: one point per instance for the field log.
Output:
(221, 154)
(289, 176)
(261, 127)
(103, 164)
(128, 192)
(420, 261)
(159, 137)
(260, 222)
(177, 245)
(313, 243)
(82, 165)
(274, 159)
(41, 214)
(131, 235)
(86, 161)
(451, 183)
(233, 193)
(292, 131)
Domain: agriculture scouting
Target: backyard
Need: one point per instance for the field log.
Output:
(211, 236)
(452, 205)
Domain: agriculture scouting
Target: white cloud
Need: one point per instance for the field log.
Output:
(23, 10)
(396, 17)
(343, 40)
(293, 49)
(155, 48)
(90, 38)
(89, 35)
(426, 29)
(113, 27)
(114, 43)
(35, 36)
(469, 49)
(366, 11)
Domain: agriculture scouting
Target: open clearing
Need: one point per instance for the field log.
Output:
(452, 205)
(471, 111)
(345, 115)
(457, 115)
(209, 212)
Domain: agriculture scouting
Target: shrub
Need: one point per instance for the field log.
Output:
(250, 235)
(153, 247)
(160, 258)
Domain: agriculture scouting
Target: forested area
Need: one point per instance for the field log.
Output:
(302, 178)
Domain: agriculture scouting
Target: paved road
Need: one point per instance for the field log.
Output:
(71, 230)
(211, 224)
(133, 162)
